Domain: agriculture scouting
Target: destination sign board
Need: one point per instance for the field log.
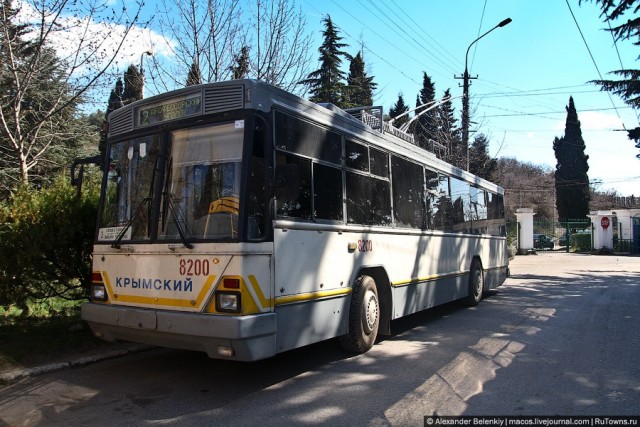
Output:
(170, 110)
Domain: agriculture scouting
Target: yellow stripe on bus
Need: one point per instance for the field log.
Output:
(429, 278)
(311, 296)
(175, 302)
(265, 303)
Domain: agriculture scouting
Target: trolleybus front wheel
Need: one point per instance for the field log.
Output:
(364, 316)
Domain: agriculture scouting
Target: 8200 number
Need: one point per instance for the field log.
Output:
(365, 245)
(194, 267)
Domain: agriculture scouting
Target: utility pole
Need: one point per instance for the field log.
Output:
(465, 111)
(465, 93)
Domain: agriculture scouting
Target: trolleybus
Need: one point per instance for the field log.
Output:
(243, 221)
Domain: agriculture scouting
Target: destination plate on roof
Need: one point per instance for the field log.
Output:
(190, 105)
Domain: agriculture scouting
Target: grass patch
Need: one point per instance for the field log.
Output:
(49, 331)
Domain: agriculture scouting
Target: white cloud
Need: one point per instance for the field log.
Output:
(596, 120)
(89, 44)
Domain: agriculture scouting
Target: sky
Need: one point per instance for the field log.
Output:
(526, 71)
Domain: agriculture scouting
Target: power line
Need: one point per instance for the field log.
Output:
(591, 55)
(475, 49)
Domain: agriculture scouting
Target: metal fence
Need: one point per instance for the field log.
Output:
(568, 236)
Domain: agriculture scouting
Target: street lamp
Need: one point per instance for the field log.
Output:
(148, 52)
(465, 93)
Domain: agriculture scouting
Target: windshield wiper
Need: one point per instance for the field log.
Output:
(116, 243)
(172, 211)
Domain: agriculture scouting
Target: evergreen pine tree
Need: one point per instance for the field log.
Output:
(426, 126)
(627, 87)
(449, 134)
(360, 87)
(479, 161)
(326, 84)
(33, 143)
(571, 179)
(194, 77)
(398, 108)
(241, 67)
(121, 95)
(133, 85)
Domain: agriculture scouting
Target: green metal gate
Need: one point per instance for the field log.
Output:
(569, 236)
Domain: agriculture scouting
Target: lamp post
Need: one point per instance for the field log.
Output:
(149, 53)
(465, 92)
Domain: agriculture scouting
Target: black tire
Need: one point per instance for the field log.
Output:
(476, 284)
(364, 317)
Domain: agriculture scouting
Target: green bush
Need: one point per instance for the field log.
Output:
(46, 239)
(581, 242)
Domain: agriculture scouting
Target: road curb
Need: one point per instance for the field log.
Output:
(18, 374)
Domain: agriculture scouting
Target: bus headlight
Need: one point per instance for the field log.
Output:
(228, 302)
(98, 292)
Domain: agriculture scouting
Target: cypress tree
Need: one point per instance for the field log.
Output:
(326, 84)
(571, 179)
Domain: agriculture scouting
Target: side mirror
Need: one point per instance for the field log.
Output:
(76, 181)
(286, 185)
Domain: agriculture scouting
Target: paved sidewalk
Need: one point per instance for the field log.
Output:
(108, 352)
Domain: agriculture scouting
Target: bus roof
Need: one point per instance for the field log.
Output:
(219, 97)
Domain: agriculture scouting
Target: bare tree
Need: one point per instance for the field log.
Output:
(207, 35)
(280, 54)
(63, 50)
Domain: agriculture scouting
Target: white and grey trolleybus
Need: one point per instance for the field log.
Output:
(241, 220)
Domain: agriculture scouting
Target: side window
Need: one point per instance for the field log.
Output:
(408, 193)
(442, 206)
(379, 162)
(301, 206)
(495, 214)
(461, 204)
(327, 192)
(356, 156)
(257, 204)
(301, 137)
(432, 198)
(368, 200)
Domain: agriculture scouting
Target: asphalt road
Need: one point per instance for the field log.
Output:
(561, 336)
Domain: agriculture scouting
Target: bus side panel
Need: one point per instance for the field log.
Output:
(419, 296)
(311, 261)
(307, 322)
(312, 273)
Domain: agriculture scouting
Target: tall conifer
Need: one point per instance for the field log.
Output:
(195, 76)
(326, 84)
(571, 179)
(360, 86)
(398, 108)
(426, 127)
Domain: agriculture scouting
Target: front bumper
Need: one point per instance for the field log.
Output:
(251, 337)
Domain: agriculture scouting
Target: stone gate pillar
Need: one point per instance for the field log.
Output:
(525, 226)
(602, 223)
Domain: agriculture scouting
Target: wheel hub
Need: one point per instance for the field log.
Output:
(370, 312)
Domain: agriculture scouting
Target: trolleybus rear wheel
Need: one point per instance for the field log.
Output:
(476, 284)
